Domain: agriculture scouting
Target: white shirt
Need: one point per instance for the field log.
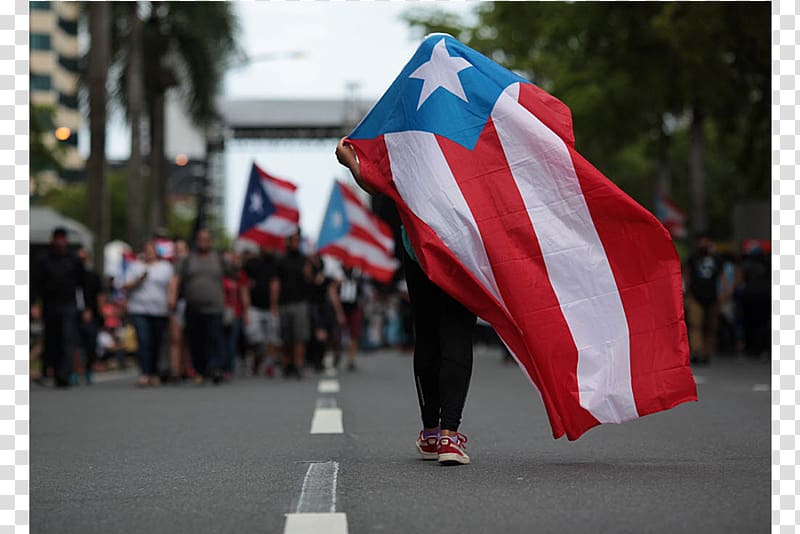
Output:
(149, 297)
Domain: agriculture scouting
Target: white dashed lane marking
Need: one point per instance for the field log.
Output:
(761, 387)
(328, 386)
(316, 508)
(327, 418)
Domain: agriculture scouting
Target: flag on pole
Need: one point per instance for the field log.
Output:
(355, 236)
(581, 282)
(670, 215)
(270, 211)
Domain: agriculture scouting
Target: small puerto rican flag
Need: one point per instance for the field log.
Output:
(356, 237)
(270, 212)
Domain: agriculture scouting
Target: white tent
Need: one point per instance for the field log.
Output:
(44, 220)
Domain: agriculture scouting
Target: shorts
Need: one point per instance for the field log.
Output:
(295, 322)
(262, 328)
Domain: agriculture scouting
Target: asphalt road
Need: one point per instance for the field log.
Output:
(237, 457)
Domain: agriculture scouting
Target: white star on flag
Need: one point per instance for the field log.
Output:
(256, 204)
(336, 219)
(441, 71)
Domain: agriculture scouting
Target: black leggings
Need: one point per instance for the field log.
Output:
(442, 349)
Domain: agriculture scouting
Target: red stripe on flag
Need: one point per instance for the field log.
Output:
(286, 213)
(379, 225)
(512, 247)
(648, 280)
(264, 239)
(277, 181)
(381, 275)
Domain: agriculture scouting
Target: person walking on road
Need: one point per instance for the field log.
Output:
(91, 318)
(262, 331)
(350, 295)
(442, 350)
(199, 280)
(57, 280)
(702, 299)
(147, 284)
(237, 309)
(180, 361)
(289, 302)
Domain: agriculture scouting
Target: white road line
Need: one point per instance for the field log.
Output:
(315, 523)
(316, 508)
(331, 372)
(761, 387)
(327, 418)
(328, 386)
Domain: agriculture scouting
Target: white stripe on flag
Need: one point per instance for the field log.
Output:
(420, 172)
(279, 195)
(358, 216)
(576, 262)
(368, 252)
(277, 226)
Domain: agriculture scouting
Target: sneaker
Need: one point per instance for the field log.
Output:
(428, 447)
(451, 451)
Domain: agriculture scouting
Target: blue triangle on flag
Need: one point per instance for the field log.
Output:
(257, 204)
(335, 225)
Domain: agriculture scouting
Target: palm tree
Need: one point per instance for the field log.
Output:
(99, 62)
(135, 91)
(187, 46)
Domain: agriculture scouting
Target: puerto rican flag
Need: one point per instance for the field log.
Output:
(270, 211)
(355, 236)
(581, 282)
(670, 215)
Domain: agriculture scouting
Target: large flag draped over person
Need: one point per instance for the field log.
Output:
(355, 236)
(270, 211)
(581, 283)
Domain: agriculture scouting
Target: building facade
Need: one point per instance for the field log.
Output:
(54, 56)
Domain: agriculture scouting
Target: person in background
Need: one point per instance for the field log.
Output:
(179, 358)
(262, 331)
(91, 318)
(198, 278)
(327, 315)
(755, 297)
(351, 296)
(289, 302)
(57, 278)
(147, 283)
(237, 306)
(702, 299)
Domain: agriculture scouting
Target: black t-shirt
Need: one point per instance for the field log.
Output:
(56, 278)
(260, 270)
(294, 286)
(704, 271)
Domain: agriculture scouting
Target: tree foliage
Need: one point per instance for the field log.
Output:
(633, 74)
(72, 201)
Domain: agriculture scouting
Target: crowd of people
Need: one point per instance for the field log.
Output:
(200, 314)
(728, 301)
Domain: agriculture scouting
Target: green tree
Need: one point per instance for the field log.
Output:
(652, 87)
(72, 201)
(43, 156)
(187, 46)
